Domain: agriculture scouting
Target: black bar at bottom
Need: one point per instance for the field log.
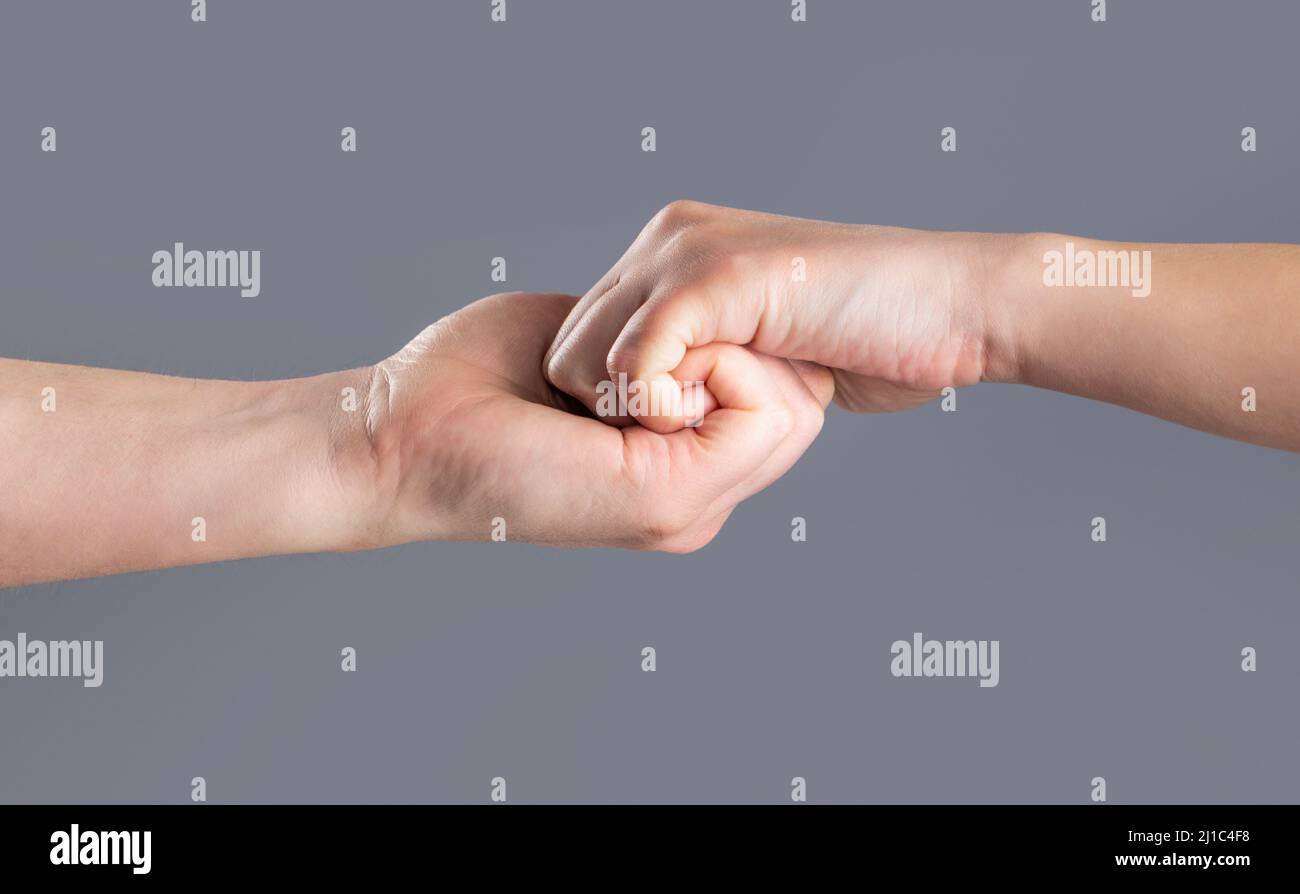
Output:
(639, 844)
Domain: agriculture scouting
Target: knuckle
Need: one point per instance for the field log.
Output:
(558, 371)
(620, 359)
(677, 254)
(676, 214)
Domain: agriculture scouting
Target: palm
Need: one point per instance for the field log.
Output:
(481, 431)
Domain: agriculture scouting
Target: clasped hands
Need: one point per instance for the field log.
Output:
(491, 419)
(495, 421)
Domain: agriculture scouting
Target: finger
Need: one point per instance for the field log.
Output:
(578, 366)
(654, 338)
(806, 405)
(753, 417)
(576, 361)
(593, 295)
(819, 380)
(766, 418)
(612, 278)
(818, 384)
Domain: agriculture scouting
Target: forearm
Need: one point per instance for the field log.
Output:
(106, 471)
(1218, 319)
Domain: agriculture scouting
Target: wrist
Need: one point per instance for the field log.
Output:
(1009, 269)
(384, 454)
(947, 291)
(328, 483)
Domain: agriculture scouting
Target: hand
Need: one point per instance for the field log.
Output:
(893, 312)
(464, 429)
(459, 428)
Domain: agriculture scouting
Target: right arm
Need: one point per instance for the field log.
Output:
(899, 314)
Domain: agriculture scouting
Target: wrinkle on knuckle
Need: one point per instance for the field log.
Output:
(675, 214)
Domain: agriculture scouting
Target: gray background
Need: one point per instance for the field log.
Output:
(522, 140)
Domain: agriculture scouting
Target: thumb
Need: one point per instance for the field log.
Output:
(767, 416)
(754, 416)
(653, 344)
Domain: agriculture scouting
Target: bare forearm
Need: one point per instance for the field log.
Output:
(1218, 320)
(107, 471)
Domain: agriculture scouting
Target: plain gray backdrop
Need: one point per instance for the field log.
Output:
(522, 140)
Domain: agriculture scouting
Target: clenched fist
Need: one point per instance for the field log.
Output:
(890, 311)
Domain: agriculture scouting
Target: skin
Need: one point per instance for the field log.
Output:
(456, 429)
(461, 427)
(899, 314)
